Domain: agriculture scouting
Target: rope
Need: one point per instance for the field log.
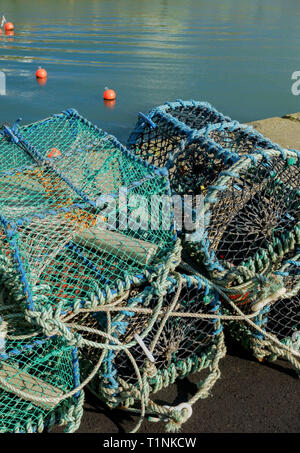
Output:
(48, 323)
(174, 416)
(120, 346)
(142, 380)
(247, 317)
(57, 400)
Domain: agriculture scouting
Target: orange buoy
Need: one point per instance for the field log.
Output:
(109, 95)
(9, 26)
(9, 33)
(54, 153)
(41, 73)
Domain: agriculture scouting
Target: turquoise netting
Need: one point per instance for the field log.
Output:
(34, 372)
(90, 292)
(56, 213)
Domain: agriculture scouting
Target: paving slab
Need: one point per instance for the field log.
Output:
(284, 131)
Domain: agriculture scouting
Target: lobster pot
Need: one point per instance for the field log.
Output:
(11, 158)
(76, 226)
(194, 141)
(165, 138)
(158, 134)
(278, 321)
(34, 370)
(238, 138)
(251, 224)
(250, 244)
(178, 334)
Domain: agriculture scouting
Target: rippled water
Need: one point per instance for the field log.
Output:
(237, 54)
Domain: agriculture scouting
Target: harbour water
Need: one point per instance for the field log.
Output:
(237, 54)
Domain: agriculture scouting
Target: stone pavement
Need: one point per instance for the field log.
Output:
(285, 131)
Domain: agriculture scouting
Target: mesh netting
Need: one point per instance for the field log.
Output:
(252, 228)
(11, 157)
(179, 343)
(82, 270)
(283, 318)
(158, 137)
(252, 217)
(38, 367)
(278, 318)
(238, 138)
(62, 220)
(251, 209)
(195, 141)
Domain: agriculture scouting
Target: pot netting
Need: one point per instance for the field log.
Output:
(281, 319)
(211, 151)
(64, 227)
(92, 162)
(158, 137)
(238, 138)
(251, 219)
(277, 319)
(179, 343)
(193, 114)
(194, 141)
(284, 314)
(11, 157)
(34, 371)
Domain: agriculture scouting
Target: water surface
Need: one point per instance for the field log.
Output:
(237, 54)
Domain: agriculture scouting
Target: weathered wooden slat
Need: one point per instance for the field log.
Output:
(30, 384)
(119, 244)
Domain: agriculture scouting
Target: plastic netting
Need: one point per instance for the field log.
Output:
(195, 141)
(251, 230)
(238, 138)
(34, 370)
(162, 138)
(283, 318)
(278, 318)
(11, 157)
(179, 331)
(83, 266)
(63, 225)
(251, 218)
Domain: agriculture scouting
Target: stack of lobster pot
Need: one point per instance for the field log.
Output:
(89, 284)
(249, 242)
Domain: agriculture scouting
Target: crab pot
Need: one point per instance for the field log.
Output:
(278, 319)
(251, 222)
(171, 343)
(238, 138)
(195, 141)
(76, 227)
(251, 218)
(38, 367)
